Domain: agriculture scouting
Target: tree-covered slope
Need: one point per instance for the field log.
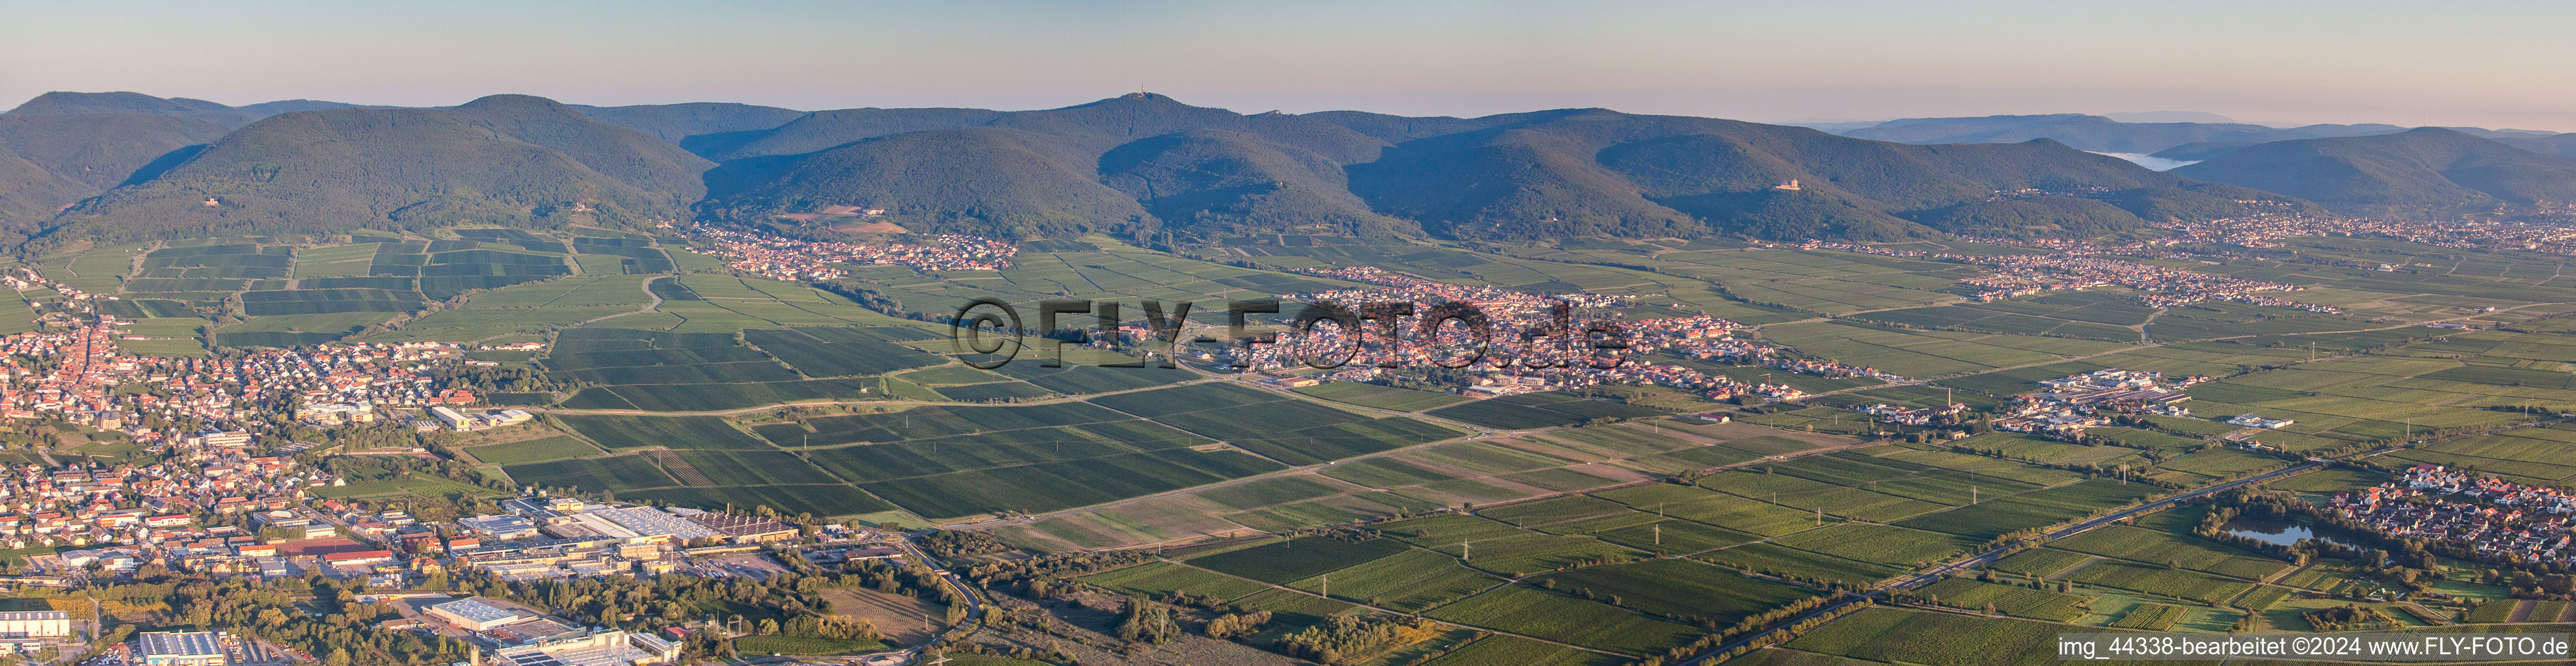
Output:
(80, 103)
(29, 195)
(2420, 168)
(503, 159)
(1220, 182)
(1133, 163)
(677, 123)
(820, 130)
(1606, 173)
(2096, 133)
(978, 179)
(101, 150)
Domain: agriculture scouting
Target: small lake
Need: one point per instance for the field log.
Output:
(2277, 532)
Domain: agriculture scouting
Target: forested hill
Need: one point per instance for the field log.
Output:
(1137, 163)
(687, 124)
(2420, 168)
(502, 159)
(2092, 132)
(1147, 162)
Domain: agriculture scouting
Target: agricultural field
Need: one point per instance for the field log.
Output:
(1473, 472)
(1539, 410)
(955, 461)
(1382, 397)
(1248, 419)
(546, 449)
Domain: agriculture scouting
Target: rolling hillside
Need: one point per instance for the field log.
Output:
(511, 159)
(1135, 164)
(2419, 168)
(2097, 133)
(1145, 161)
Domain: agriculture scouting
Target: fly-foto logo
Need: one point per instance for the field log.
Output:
(1322, 335)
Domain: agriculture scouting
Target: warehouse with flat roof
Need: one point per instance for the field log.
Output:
(180, 648)
(475, 614)
(35, 624)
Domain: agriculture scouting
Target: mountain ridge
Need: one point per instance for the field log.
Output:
(2426, 167)
(501, 159)
(1140, 163)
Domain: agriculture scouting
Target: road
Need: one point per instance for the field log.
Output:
(1709, 658)
(648, 307)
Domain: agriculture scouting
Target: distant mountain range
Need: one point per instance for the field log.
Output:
(2141, 133)
(2426, 167)
(131, 166)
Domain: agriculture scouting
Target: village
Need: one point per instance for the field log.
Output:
(1529, 342)
(224, 496)
(781, 258)
(2494, 518)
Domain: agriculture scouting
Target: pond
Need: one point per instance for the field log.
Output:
(2278, 532)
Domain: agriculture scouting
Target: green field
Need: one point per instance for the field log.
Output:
(535, 450)
(1382, 397)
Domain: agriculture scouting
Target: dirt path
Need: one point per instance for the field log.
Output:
(2068, 572)
(647, 285)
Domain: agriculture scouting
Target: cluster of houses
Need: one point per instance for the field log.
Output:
(781, 258)
(1513, 316)
(173, 516)
(2492, 518)
(1919, 416)
(2161, 286)
(2076, 402)
(2267, 230)
(77, 372)
(2079, 265)
(2438, 479)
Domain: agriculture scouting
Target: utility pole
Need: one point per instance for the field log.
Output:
(1466, 550)
(1659, 534)
(1327, 591)
(1972, 495)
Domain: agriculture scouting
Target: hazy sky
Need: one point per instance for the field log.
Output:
(2496, 64)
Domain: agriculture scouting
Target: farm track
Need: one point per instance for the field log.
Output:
(647, 286)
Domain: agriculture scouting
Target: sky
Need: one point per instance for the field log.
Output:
(2492, 64)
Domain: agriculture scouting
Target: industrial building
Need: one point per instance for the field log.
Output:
(180, 648)
(24, 632)
(606, 648)
(475, 614)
